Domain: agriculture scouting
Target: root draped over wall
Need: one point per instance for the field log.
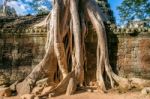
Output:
(65, 48)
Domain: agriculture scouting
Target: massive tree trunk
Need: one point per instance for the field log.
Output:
(65, 47)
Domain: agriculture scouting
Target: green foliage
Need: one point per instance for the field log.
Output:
(130, 10)
(39, 6)
(35, 6)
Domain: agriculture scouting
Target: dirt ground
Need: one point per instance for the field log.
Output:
(96, 95)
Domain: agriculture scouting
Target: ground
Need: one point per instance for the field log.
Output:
(96, 95)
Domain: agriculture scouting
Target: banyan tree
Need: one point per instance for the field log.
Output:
(65, 48)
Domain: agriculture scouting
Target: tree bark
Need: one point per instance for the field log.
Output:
(79, 71)
(65, 48)
(58, 43)
(96, 18)
(47, 66)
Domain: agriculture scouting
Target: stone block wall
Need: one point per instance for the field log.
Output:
(129, 51)
(132, 52)
(20, 51)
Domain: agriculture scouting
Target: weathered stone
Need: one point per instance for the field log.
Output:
(3, 86)
(51, 95)
(13, 86)
(6, 92)
(23, 47)
(27, 96)
(26, 89)
(149, 30)
(37, 90)
(47, 89)
(89, 90)
(36, 97)
(3, 79)
(145, 91)
(42, 82)
(95, 91)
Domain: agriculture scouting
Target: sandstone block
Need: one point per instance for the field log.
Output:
(6, 92)
(37, 90)
(145, 91)
(27, 96)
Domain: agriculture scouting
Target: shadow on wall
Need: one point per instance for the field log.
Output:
(91, 46)
(112, 46)
(16, 47)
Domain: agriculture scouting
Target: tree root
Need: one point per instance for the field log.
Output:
(62, 86)
(65, 38)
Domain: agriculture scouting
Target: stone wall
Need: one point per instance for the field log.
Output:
(129, 51)
(21, 46)
(21, 49)
(133, 52)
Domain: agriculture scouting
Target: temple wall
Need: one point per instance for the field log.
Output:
(133, 52)
(21, 50)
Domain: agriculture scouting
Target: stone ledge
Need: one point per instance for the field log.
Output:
(131, 30)
(42, 30)
(28, 31)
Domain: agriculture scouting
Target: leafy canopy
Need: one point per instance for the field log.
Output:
(38, 6)
(32, 6)
(131, 10)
